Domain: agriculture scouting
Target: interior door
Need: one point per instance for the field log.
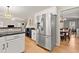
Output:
(72, 24)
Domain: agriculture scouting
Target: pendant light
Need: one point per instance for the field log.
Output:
(8, 12)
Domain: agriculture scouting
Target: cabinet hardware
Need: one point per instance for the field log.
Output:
(7, 45)
(3, 46)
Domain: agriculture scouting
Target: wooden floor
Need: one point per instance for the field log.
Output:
(65, 47)
(31, 47)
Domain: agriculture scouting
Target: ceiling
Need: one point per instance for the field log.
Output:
(71, 13)
(25, 11)
(22, 11)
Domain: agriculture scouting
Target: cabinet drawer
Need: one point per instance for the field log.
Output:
(12, 37)
(15, 46)
(21, 35)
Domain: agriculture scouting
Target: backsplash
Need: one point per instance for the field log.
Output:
(6, 29)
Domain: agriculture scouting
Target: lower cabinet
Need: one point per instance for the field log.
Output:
(2, 45)
(15, 45)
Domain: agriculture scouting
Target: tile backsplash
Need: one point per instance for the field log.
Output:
(9, 29)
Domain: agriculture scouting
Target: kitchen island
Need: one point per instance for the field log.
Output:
(12, 42)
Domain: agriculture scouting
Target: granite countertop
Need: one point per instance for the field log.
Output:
(9, 27)
(10, 33)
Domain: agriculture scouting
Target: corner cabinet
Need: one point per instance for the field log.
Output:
(12, 43)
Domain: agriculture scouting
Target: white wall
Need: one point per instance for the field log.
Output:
(10, 22)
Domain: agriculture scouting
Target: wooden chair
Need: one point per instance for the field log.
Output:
(62, 36)
(68, 35)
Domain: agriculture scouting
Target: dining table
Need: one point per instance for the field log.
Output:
(65, 32)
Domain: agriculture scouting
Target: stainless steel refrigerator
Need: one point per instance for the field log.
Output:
(46, 31)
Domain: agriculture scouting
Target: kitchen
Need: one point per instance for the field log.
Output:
(32, 29)
(14, 21)
(12, 35)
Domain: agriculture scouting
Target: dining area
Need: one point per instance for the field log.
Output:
(65, 34)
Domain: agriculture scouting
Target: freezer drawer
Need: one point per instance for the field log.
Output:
(41, 40)
(44, 41)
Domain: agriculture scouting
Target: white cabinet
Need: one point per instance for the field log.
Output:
(34, 35)
(2, 44)
(15, 44)
(12, 43)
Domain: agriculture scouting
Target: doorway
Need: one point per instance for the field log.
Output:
(72, 27)
(70, 20)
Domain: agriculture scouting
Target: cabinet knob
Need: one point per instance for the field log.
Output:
(3, 46)
(7, 45)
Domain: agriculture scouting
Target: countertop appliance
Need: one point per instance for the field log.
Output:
(10, 26)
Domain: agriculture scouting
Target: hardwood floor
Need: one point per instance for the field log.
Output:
(31, 47)
(68, 47)
(65, 47)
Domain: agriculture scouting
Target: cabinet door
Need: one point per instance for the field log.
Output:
(15, 46)
(2, 45)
